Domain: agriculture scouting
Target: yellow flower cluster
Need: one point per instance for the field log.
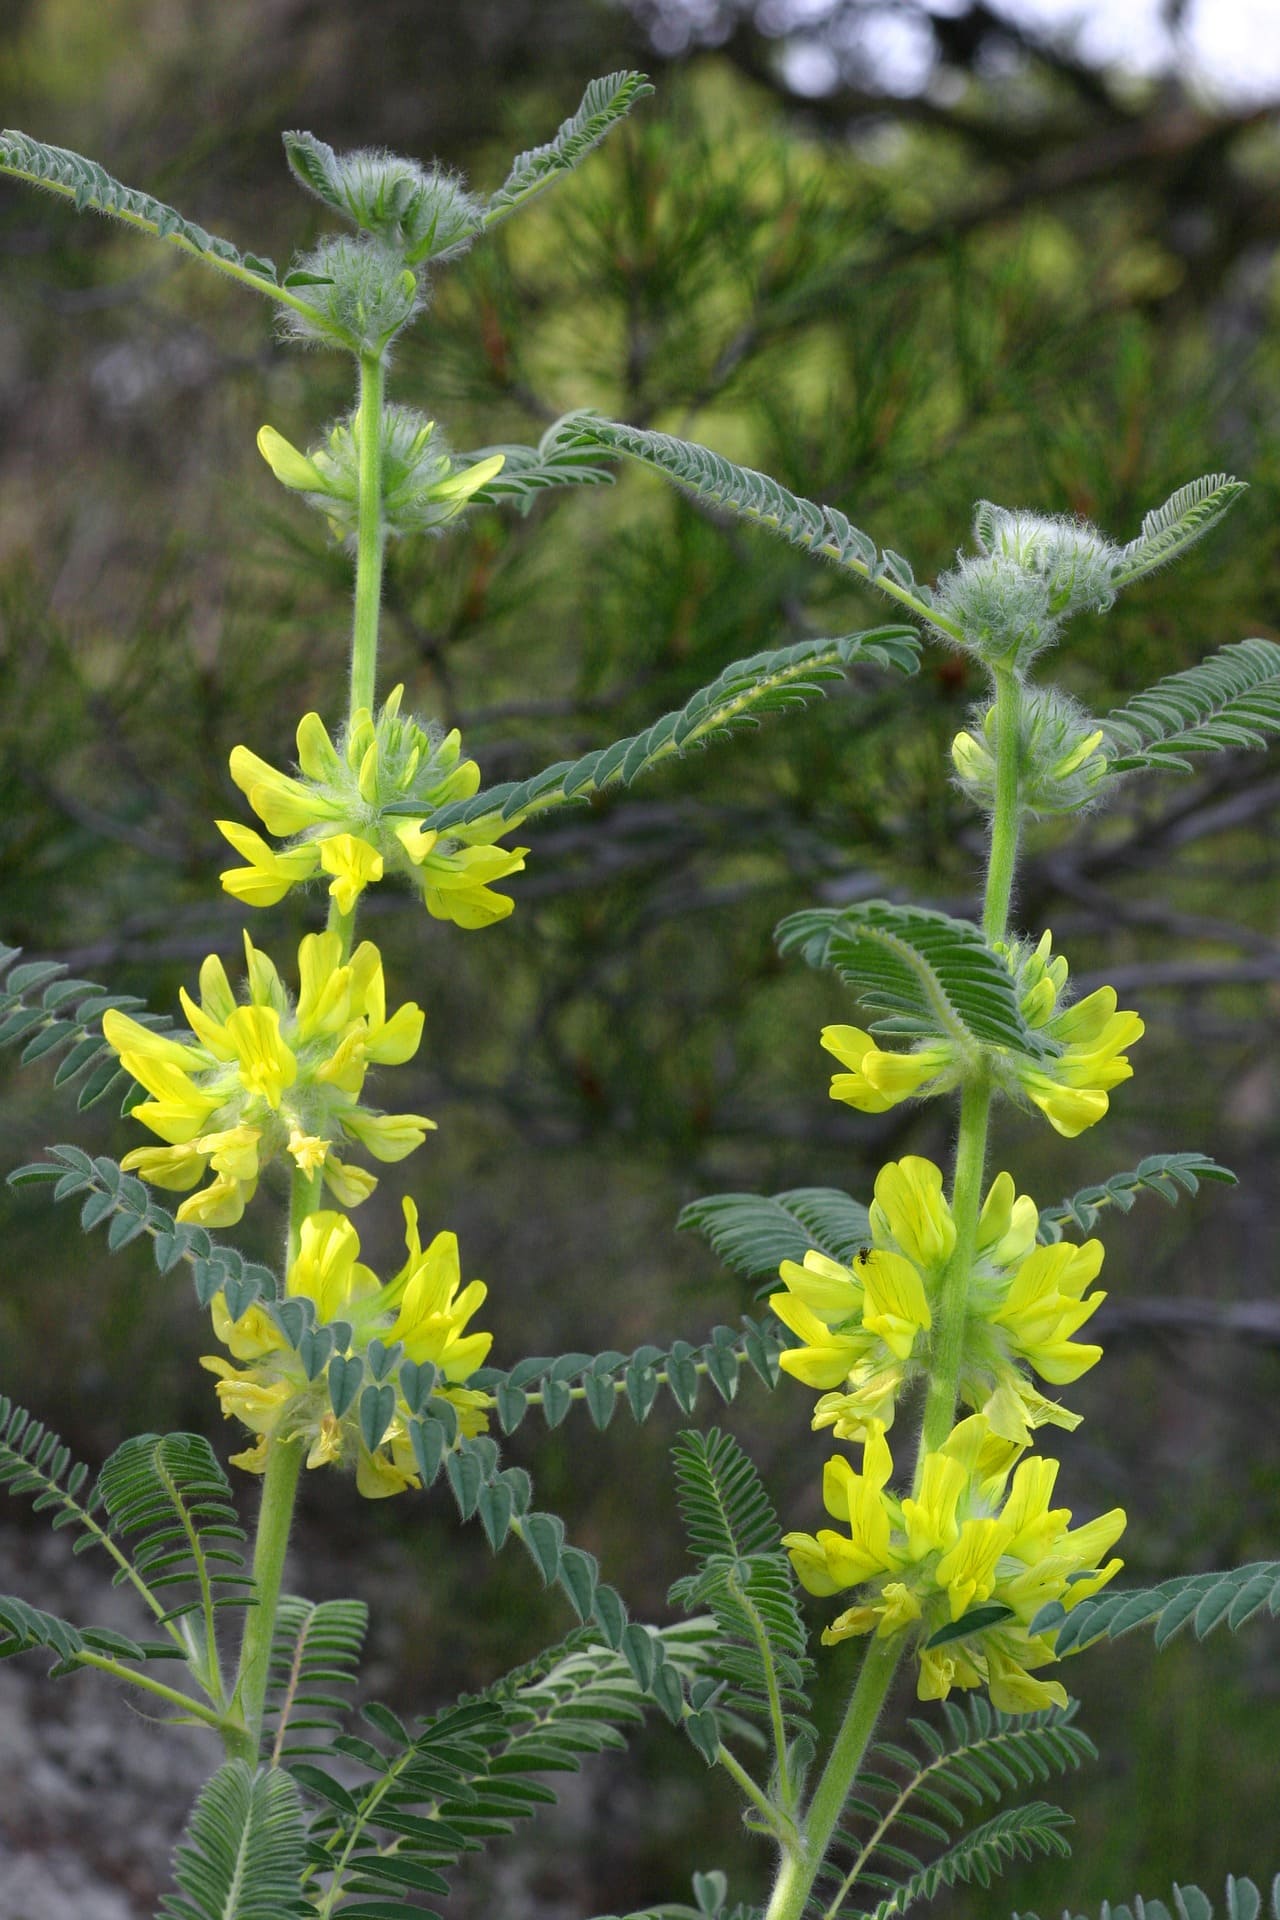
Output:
(865, 1330)
(968, 1544)
(964, 1563)
(332, 818)
(1084, 1055)
(270, 1076)
(423, 1311)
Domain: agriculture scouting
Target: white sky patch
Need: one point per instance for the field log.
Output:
(1228, 50)
(1231, 48)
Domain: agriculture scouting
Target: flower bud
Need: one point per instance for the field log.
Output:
(1004, 610)
(423, 213)
(1062, 762)
(423, 489)
(359, 293)
(1075, 561)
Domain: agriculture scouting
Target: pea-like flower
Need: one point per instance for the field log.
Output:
(1083, 1055)
(332, 819)
(966, 1539)
(421, 1315)
(1070, 1086)
(270, 1076)
(865, 1330)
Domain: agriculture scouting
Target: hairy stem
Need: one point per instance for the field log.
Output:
(800, 1866)
(304, 1200)
(1006, 821)
(750, 1791)
(953, 1296)
(284, 1457)
(190, 1709)
(279, 1486)
(370, 535)
(975, 1102)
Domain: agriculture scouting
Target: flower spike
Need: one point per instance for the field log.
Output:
(864, 1331)
(423, 1312)
(967, 1540)
(333, 818)
(270, 1078)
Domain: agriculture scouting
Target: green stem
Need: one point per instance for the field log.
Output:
(975, 1101)
(799, 1867)
(953, 1293)
(279, 1487)
(1006, 821)
(342, 924)
(370, 535)
(284, 1457)
(304, 1200)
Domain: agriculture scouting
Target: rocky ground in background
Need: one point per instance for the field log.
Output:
(90, 1797)
(93, 1797)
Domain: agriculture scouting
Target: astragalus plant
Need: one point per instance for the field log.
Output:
(937, 1320)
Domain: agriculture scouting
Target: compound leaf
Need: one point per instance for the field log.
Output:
(1169, 1175)
(933, 974)
(91, 188)
(755, 1233)
(244, 1852)
(1169, 530)
(605, 102)
(754, 496)
(1231, 700)
(764, 683)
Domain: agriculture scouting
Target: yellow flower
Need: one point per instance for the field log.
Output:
(353, 864)
(1043, 1307)
(334, 816)
(827, 1562)
(270, 1077)
(876, 1080)
(895, 1306)
(421, 1314)
(864, 1331)
(967, 1539)
(1081, 1057)
(1087, 1042)
(910, 1213)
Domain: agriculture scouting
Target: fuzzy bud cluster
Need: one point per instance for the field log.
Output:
(1031, 572)
(358, 294)
(359, 291)
(1062, 762)
(420, 213)
(1076, 562)
(423, 487)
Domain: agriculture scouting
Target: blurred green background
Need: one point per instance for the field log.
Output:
(1031, 280)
